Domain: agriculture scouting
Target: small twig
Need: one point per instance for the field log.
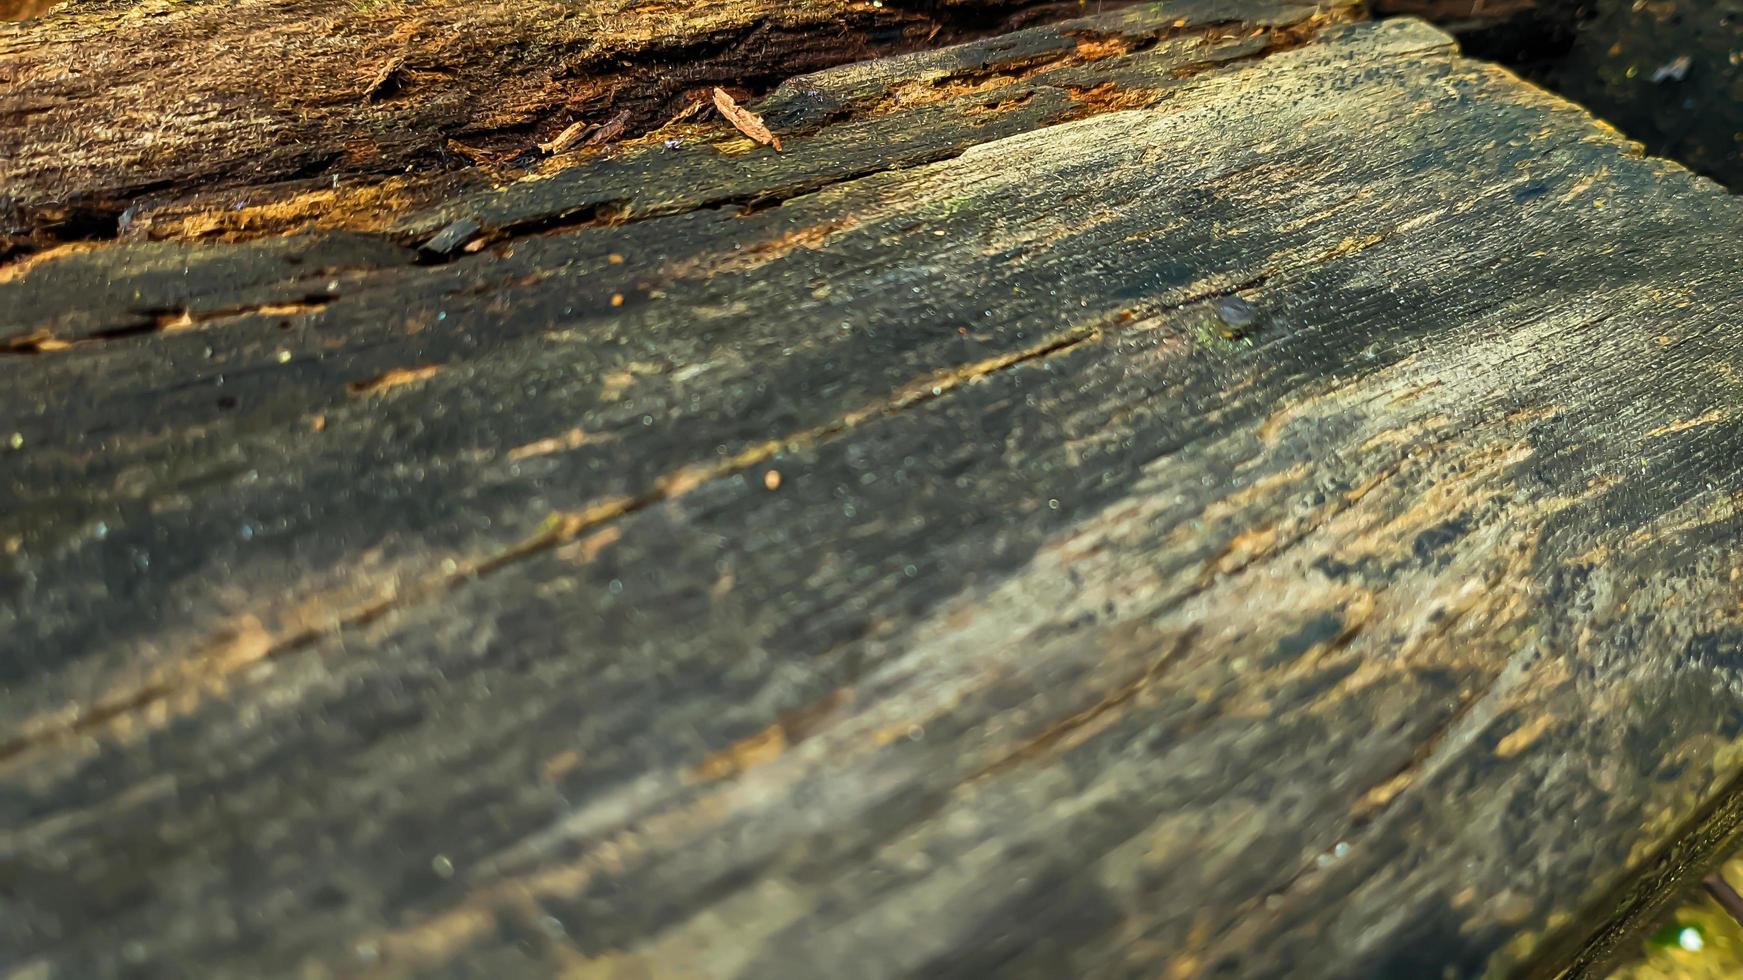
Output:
(566, 139)
(685, 114)
(1725, 895)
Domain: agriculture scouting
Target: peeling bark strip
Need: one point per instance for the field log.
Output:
(748, 123)
(1223, 489)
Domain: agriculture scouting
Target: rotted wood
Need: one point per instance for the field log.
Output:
(1204, 488)
(107, 109)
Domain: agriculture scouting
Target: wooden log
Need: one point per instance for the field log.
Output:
(104, 109)
(1203, 489)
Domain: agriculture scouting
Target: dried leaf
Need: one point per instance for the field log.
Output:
(745, 121)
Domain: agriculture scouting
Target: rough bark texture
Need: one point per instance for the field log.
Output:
(1199, 490)
(106, 103)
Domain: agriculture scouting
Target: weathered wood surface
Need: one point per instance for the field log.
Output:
(107, 109)
(1229, 494)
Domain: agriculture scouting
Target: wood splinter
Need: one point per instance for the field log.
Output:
(745, 121)
(609, 130)
(567, 138)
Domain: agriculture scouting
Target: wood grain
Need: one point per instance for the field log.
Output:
(1211, 492)
(109, 110)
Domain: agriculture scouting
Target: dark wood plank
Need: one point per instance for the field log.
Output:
(1281, 528)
